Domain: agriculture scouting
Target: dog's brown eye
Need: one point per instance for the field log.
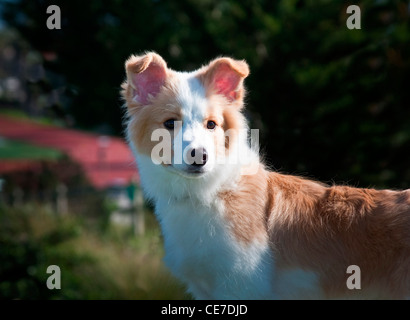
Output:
(169, 124)
(211, 125)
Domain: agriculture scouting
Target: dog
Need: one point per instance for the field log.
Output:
(234, 229)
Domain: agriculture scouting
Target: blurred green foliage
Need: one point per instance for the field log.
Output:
(94, 264)
(19, 150)
(331, 103)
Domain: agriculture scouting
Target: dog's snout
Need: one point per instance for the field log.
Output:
(199, 156)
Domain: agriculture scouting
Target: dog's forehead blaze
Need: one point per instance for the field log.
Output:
(191, 96)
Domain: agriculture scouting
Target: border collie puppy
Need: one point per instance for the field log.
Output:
(234, 229)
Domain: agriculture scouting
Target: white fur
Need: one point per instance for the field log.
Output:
(201, 251)
(191, 97)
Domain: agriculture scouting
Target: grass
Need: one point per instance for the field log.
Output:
(11, 150)
(94, 265)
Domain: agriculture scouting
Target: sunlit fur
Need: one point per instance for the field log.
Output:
(261, 236)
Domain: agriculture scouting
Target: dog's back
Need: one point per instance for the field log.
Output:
(327, 229)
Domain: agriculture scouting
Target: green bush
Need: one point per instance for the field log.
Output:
(93, 264)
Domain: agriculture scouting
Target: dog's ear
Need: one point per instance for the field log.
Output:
(146, 75)
(225, 76)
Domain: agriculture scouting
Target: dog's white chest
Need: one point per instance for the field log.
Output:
(201, 251)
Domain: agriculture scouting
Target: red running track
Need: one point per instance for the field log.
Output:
(106, 161)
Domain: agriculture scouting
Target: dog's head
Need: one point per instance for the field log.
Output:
(187, 122)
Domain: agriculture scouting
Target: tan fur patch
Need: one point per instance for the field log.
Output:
(326, 229)
(228, 119)
(146, 119)
(247, 207)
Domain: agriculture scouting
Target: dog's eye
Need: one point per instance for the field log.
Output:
(211, 125)
(169, 124)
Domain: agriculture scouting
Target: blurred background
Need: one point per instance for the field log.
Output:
(331, 104)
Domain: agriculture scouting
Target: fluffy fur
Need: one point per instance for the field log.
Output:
(261, 235)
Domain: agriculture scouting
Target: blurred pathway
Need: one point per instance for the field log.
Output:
(107, 161)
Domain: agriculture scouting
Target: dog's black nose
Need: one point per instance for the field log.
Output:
(199, 156)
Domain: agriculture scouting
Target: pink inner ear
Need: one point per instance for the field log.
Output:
(226, 81)
(148, 82)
